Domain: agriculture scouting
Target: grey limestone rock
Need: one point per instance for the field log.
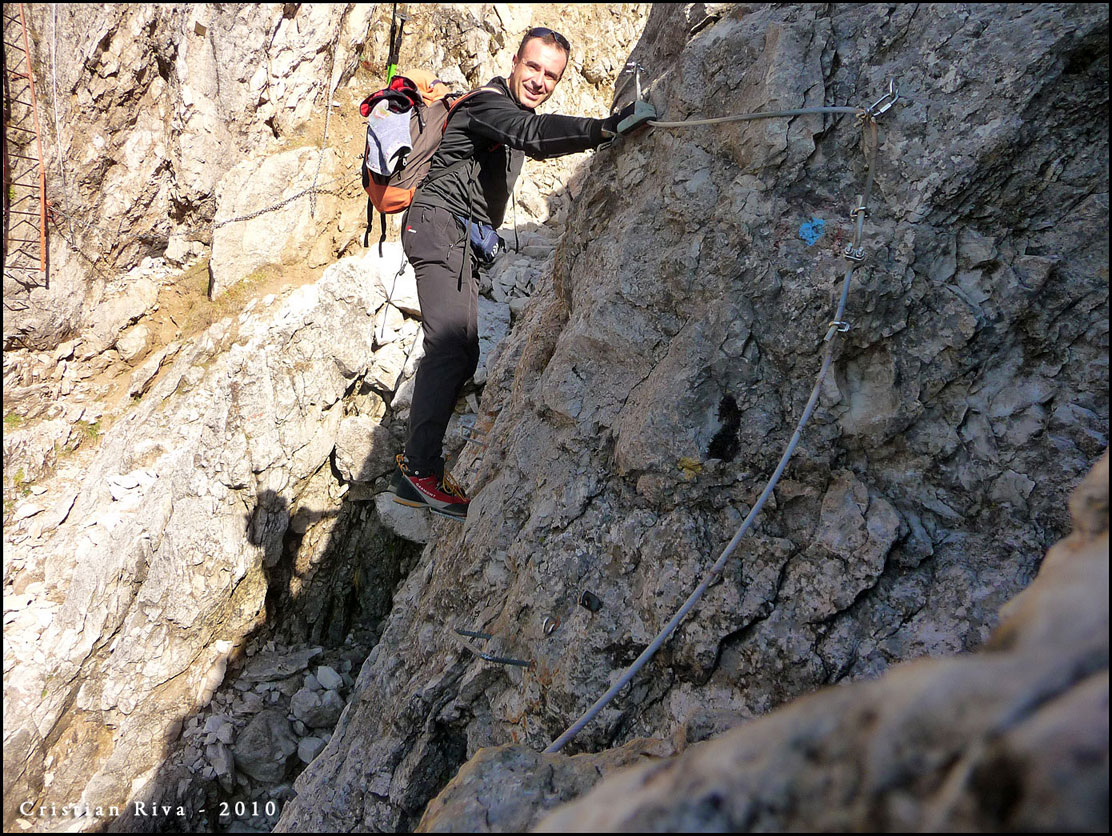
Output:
(329, 679)
(315, 709)
(133, 343)
(267, 667)
(397, 280)
(365, 449)
(284, 236)
(153, 106)
(646, 393)
(180, 515)
(934, 745)
(309, 747)
(412, 524)
(265, 745)
(221, 760)
(682, 282)
(514, 801)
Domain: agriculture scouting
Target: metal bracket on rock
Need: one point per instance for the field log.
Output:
(854, 253)
(472, 435)
(590, 601)
(637, 68)
(501, 660)
(836, 326)
(642, 110)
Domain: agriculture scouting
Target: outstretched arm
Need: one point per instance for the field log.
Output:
(540, 136)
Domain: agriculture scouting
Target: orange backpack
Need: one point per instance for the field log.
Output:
(405, 124)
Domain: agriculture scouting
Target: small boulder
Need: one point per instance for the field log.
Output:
(309, 748)
(265, 746)
(329, 679)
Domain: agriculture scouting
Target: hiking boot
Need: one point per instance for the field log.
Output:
(440, 494)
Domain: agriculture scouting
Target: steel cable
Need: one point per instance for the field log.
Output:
(744, 117)
(330, 91)
(859, 211)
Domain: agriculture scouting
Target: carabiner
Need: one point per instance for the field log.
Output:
(885, 102)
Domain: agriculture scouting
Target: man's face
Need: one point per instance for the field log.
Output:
(536, 72)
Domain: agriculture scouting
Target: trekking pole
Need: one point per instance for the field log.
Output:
(396, 29)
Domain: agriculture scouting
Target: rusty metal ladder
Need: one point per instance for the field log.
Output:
(25, 204)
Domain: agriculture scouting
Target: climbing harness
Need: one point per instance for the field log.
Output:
(854, 254)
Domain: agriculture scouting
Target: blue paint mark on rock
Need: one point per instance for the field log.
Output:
(811, 231)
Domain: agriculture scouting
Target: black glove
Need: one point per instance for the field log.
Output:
(635, 113)
(610, 123)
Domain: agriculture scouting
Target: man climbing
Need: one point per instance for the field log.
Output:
(461, 202)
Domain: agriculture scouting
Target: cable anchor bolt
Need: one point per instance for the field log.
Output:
(549, 625)
(590, 601)
(643, 111)
(858, 210)
(489, 657)
(472, 436)
(885, 102)
(836, 326)
(854, 253)
(636, 67)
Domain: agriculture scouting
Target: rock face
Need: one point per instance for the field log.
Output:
(646, 393)
(508, 789)
(159, 561)
(1012, 738)
(284, 236)
(154, 116)
(144, 110)
(186, 572)
(198, 554)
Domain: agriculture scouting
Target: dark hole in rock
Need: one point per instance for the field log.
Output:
(726, 443)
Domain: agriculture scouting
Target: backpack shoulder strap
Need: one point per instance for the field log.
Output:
(459, 100)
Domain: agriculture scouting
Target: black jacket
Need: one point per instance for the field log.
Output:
(474, 170)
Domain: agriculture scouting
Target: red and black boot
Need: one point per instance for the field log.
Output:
(440, 494)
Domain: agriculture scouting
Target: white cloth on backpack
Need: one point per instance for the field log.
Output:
(388, 140)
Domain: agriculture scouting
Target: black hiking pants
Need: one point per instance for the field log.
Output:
(448, 290)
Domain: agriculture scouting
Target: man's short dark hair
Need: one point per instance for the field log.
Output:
(548, 36)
